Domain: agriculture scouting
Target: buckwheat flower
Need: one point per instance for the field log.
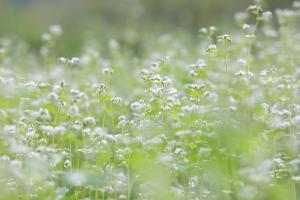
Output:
(278, 161)
(2, 81)
(4, 158)
(250, 36)
(254, 8)
(49, 130)
(178, 150)
(193, 73)
(16, 168)
(57, 88)
(31, 85)
(113, 44)
(74, 61)
(10, 129)
(122, 196)
(55, 30)
(87, 132)
(31, 132)
(44, 85)
(242, 62)
(62, 60)
(297, 120)
(43, 114)
(89, 120)
(232, 108)
(183, 133)
(212, 29)
(155, 66)
(100, 132)
(211, 48)
(11, 185)
(296, 108)
(171, 91)
(117, 100)
(296, 178)
(61, 192)
(203, 31)
(270, 32)
(167, 81)
(146, 72)
(138, 105)
(241, 17)
(195, 86)
(46, 37)
(296, 4)
(267, 15)
(175, 101)
(178, 192)
(77, 125)
(251, 75)
(111, 138)
(75, 179)
(52, 97)
(156, 90)
(249, 192)
(122, 118)
(73, 110)
(59, 130)
(225, 37)
(67, 164)
(107, 71)
(156, 78)
(17, 148)
(122, 122)
(246, 27)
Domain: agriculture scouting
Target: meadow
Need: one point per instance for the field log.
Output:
(216, 119)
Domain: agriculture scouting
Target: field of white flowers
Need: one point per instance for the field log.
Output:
(215, 120)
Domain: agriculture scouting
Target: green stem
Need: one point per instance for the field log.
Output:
(225, 56)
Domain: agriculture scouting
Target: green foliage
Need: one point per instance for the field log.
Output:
(214, 119)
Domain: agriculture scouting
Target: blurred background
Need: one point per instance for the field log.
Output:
(129, 19)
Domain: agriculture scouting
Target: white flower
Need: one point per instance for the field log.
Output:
(297, 120)
(296, 178)
(67, 164)
(117, 100)
(62, 60)
(107, 70)
(75, 179)
(59, 130)
(47, 129)
(74, 61)
(225, 37)
(46, 37)
(242, 62)
(31, 132)
(296, 4)
(246, 27)
(55, 30)
(138, 105)
(203, 30)
(89, 120)
(267, 15)
(211, 48)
